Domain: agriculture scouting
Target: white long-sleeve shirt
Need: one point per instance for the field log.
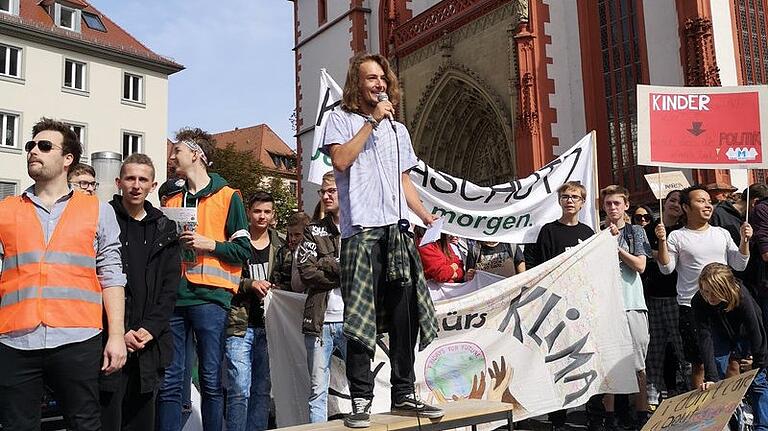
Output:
(691, 250)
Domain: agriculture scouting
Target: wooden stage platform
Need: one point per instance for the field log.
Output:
(457, 414)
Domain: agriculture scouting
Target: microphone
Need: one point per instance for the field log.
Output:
(383, 97)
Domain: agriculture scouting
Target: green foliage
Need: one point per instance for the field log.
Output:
(243, 171)
(285, 201)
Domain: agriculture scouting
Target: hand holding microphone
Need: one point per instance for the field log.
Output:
(384, 109)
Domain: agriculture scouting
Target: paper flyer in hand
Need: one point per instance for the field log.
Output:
(185, 220)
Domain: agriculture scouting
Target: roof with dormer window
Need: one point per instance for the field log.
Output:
(36, 22)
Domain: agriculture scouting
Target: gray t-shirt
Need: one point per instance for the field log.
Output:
(368, 189)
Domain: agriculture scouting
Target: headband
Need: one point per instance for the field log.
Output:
(194, 146)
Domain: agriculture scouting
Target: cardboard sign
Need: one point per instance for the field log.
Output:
(702, 127)
(701, 410)
(662, 184)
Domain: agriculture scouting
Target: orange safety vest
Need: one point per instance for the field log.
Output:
(207, 269)
(53, 284)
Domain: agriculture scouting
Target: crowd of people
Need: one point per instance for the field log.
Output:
(114, 308)
(693, 284)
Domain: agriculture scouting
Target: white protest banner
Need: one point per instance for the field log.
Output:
(330, 98)
(663, 183)
(545, 339)
(511, 212)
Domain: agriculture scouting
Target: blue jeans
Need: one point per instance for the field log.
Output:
(758, 393)
(248, 383)
(186, 395)
(208, 323)
(319, 352)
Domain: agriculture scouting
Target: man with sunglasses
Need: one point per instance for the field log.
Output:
(61, 272)
(82, 178)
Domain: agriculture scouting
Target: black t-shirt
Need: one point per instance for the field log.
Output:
(258, 264)
(554, 239)
(257, 268)
(656, 284)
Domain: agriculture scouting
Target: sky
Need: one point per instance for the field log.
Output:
(237, 53)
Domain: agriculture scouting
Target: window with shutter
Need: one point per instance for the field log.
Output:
(7, 188)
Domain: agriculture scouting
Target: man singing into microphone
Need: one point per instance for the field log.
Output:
(382, 280)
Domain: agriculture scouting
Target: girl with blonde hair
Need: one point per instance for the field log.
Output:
(729, 322)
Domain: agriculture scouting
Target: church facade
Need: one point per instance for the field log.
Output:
(494, 89)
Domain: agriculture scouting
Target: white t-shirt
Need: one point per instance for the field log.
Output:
(334, 312)
(368, 190)
(691, 250)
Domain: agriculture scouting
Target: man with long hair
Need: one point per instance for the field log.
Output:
(382, 279)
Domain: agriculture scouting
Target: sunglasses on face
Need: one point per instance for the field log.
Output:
(642, 217)
(44, 146)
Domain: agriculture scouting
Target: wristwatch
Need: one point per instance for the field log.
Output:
(372, 121)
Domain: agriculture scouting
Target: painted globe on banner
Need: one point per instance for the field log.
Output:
(451, 368)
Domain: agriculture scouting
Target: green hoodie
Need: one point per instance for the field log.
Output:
(236, 251)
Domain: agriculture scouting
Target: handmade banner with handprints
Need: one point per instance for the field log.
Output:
(542, 340)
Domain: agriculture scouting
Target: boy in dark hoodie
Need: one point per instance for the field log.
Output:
(216, 249)
(151, 261)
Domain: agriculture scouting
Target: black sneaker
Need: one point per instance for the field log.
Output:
(361, 414)
(413, 406)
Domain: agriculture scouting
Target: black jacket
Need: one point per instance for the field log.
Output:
(317, 260)
(744, 323)
(726, 216)
(161, 269)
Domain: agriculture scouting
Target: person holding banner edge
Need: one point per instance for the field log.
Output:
(634, 250)
(554, 239)
(382, 279)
